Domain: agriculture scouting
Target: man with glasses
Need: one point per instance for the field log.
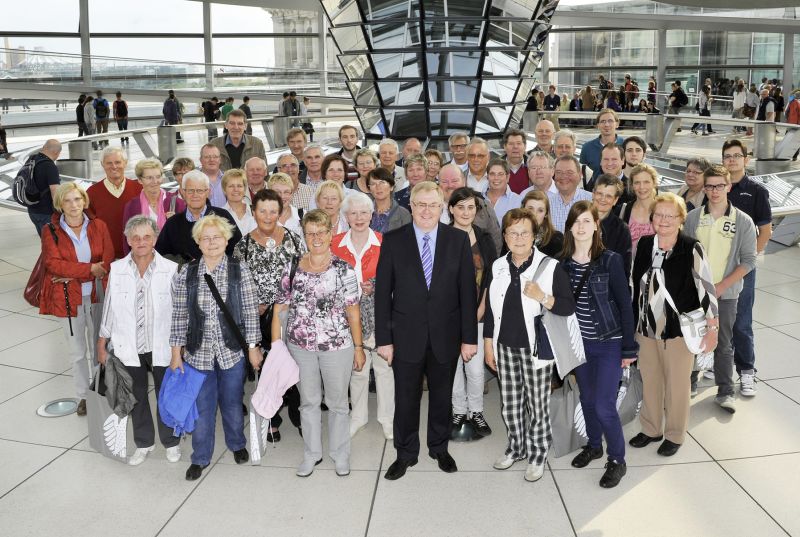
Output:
(175, 240)
(567, 178)
(210, 161)
(728, 236)
(425, 269)
(541, 168)
(591, 152)
(477, 161)
(458, 142)
(752, 199)
(303, 194)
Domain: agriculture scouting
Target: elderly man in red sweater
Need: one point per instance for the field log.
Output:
(107, 198)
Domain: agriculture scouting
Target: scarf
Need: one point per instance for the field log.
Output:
(161, 217)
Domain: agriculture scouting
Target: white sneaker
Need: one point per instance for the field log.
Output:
(748, 384)
(534, 472)
(709, 374)
(174, 453)
(504, 463)
(140, 455)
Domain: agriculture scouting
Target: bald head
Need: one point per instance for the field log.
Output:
(451, 178)
(544, 133)
(52, 148)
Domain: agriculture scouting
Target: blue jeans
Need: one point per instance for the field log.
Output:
(40, 220)
(226, 387)
(598, 380)
(743, 344)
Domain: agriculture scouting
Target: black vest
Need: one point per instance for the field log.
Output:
(762, 108)
(197, 316)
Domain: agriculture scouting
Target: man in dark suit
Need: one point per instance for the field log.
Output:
(425, 316)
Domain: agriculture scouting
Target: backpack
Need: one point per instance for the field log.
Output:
(681, 99)
(24, 190)
(101, 109)
(122, 109)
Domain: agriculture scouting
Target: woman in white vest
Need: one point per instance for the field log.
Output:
(518, 293)
(136, 322)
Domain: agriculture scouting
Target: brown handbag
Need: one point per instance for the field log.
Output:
(33, 289)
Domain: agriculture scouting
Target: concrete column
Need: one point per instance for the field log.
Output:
(323, 52)
(661, 62)
(208, 49)
(788, 62)
(545, 64)
(86, 51)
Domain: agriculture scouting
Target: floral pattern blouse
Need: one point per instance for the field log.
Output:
(266, 265)
(317, 320)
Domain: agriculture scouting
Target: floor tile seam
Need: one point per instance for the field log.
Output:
(29, 389)
(788, 377)
(27, 340)
(375, 489)
(752, 457)
(780, 296)
(14, 265)
(33, 370)
(719, 465)
(795, 401)
(563, 502)
(199, 482)
(28, 443)
(51, 461)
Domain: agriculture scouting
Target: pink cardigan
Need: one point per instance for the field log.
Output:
(134, 208)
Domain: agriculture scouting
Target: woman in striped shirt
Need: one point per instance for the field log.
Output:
(605, 316)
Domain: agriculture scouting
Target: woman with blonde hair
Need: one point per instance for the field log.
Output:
(548, 239)
(329, 198)
(644, 181)
(234, 185)
(290, 215)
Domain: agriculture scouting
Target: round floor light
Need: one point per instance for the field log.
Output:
(58, 408)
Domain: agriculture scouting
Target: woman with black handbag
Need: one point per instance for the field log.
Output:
(216, 345)
(672, 263)
(605, 317)
(267, 250)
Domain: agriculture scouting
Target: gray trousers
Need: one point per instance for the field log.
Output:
(330, 370)
(84, 340)
(723, 355)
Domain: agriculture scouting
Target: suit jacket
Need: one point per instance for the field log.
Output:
(407, 314)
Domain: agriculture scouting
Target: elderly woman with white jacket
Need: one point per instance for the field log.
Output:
(135, 326)
(517, 294)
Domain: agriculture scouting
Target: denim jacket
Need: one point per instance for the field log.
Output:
(610, 300)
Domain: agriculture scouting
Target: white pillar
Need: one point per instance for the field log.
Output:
(208, 46)
(86, 50)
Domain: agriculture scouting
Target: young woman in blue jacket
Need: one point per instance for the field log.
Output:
(605, 315)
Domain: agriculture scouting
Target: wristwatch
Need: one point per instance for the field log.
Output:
(253, 345)
(544, 299)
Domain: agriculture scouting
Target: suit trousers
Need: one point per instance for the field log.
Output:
(359, 392)
(666, 367)
(407, 397)
(82, 344)
(141, 416)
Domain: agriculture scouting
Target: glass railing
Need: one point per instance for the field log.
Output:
(645, 7)
(44, 67)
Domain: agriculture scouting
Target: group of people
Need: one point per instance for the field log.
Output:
(401, 261)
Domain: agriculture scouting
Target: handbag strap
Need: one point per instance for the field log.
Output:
(577, 291)
(224, 308)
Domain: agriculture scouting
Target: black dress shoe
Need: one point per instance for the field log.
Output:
(587, 455)
(194, 472)
(445, 461)
(613, 474)
(668, 449)
(241, 456)
(641, 440)
(274, 436)
(245, 412)
(398, 469)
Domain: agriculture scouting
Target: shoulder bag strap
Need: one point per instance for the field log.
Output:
(173, 202)
(577, 291)
(224, 308)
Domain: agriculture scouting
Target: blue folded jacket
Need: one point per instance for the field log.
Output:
(177, 400)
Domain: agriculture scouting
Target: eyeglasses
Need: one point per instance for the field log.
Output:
(290, 165)
(665, 217)
(477, 155)
(566, 173)
(711, 188)
(601, 196)
(538, 168)
(734, 156)
(424, 206)
(459, 146)
(519, 235)
(316, 235)
(193, 191)
(209, 240)
(693, 172)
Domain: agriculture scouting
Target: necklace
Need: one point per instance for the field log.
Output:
(270, 242)
(321, 266)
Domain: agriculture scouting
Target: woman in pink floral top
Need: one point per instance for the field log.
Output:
(324, 337)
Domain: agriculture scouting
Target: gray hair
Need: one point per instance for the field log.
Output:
(565, 132)
(288, 155)
(456, 135)
(700, 162)
(108, 151)
(365, 152)
(309, 147)
(356, 199)
(256, 160)
(478, 140)
(138, 221)
(195, 175)
(551, 162)
(389, 141)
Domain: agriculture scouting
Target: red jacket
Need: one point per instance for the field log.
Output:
(60, 260)
(369, 260)
(793, 112)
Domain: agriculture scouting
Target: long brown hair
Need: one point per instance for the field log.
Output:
(547, 225)
(575, 211)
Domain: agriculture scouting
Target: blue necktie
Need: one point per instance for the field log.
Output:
(427, 259)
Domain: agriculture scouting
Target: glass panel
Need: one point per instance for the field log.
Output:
(738, 47)
(401, 93)
(499, 34)
(292, 52)
(364, 93)
(393, 35)
(581, 49)
(491, 119)
(468, 8)
(356, 66)
(348, 15)
(683, 47)
(409, 123)
(397, 65)
(499, 63)
(513, 8)
(384, 9)
(27, 58)
(530, 66)
(498, 91)
(446, 122)
(441, 92)
(540, 32)
(233, 19)
(465, 64)
(633, 48)
(143, 16)
(62, 16)
(767, 48)
(183, 49)
(520, 32)
(453, 34)
(371, 120)
(350, 39)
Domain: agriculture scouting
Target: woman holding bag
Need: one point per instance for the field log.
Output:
(77, 252)
(669, 263)
(513, 302)
(605, 317)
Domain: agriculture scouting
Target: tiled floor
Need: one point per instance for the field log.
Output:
(735, 476)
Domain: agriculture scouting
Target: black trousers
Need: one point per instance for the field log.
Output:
(407, 397)
(142, 418)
